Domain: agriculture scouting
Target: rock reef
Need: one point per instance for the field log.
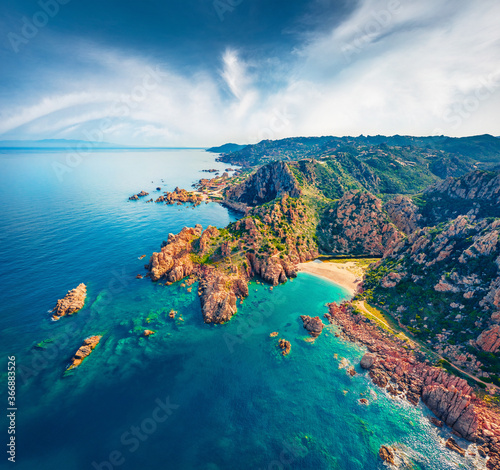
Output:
(180, 195)
(84, 350)
(136, 197)
(285, 347)
(73, 301)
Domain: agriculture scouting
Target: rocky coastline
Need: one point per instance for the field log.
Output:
(282, 227)
(401, 369)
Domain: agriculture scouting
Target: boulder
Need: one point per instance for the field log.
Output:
(368, 360)
(313, 325)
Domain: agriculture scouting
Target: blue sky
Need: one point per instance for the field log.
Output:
(204, 72)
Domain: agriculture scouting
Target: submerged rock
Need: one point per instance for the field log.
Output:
(84, 350)
(71, 303)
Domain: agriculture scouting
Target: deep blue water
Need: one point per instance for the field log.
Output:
(232, 400)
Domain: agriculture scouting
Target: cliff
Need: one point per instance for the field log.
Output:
(475, 194)
(266, 184)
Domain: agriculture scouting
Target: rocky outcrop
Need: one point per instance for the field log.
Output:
(71, 303)
(387, 455)
(357, 225)
(180, 195)
(218, 294)
(313, 325)
(454, 406)
(267, 183)
(272, 269)
(452, 445)
(394, 364)
(136, 197)
(453, 265)
(489, 340)
(285, 347)
(476, 194)
(174, 261)
(403, 214)
(84, 350)
(476, 185)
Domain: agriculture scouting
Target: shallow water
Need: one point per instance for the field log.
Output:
(231, 399)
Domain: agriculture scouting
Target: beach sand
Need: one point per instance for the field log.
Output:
(346, 275)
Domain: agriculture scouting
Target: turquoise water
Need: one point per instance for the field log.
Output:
(231, 400)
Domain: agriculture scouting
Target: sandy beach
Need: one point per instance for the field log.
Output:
(345, 274)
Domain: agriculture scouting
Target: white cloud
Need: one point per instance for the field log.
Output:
(393, 66)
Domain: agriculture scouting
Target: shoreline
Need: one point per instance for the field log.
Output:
(338, 273)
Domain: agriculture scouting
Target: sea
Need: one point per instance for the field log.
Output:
(192, 396)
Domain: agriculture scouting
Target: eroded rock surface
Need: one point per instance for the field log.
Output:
(73, 301)
(313, 325)
(393, 364)
(357, 225)
(84, 350)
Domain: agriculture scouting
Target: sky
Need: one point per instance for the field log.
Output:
(207, 72)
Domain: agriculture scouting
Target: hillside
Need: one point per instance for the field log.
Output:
(443, 279)
(379, 164)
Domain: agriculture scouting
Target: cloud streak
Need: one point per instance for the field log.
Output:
(392, 66)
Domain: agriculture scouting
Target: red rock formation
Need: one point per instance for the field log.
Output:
(135, 197)
(174, 260)
(403, 214)
(218, 294)
(267, 183)
(180, 195)
(387, 455)
(85, 349)
(489, 340)
(312, 324)
(391, 363)
(71, 303)
(285, 347)
(452, 444)
(357, 225)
